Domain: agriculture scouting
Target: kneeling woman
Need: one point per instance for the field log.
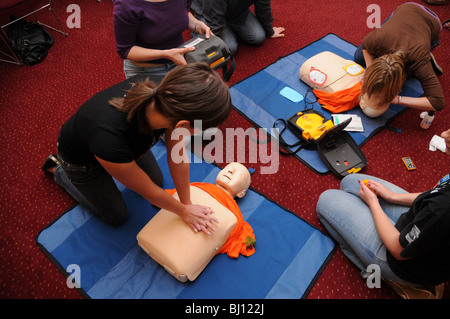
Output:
(111, 135)
(401, 47)
(405, 234)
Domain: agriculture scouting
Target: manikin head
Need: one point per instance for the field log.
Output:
(371, 105)
(234, 179)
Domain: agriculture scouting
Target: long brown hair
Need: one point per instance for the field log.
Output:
(189, 92)
(385, 77)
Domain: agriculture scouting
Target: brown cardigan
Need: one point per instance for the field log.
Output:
(412, 29)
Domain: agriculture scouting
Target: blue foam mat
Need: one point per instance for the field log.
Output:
(290, 253)
(257, 97)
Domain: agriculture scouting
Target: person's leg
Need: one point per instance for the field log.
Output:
(349, 221)
(350, 184)
(228, 36)
(251, 31)
(94, 189)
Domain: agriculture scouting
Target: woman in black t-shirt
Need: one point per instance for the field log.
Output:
(111, 135)
(404, 235)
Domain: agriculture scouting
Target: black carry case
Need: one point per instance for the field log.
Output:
(212, 51)
(339, 151)
(336, 148)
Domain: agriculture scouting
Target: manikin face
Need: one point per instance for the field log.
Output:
(235, 179)
(366, 105)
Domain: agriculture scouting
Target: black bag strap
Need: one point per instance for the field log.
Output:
(300, 144)
(226, 74)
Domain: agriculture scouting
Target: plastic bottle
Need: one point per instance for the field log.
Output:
(428, 118)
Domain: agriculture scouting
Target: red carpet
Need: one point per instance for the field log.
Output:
(35, 101)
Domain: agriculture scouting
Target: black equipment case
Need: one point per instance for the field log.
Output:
(212, 51)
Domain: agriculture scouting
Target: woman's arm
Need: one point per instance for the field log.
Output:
(198, 26)
(388, 233)
(132, 176)
(420, 103)
(126, 28)
(404, 199)
(178, 163)
(433, 96)
(140, 54)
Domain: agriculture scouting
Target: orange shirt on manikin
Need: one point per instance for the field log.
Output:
(241, 240)
(339, 101)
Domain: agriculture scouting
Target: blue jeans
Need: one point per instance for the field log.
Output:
(251, 32)
(155, 74)
(349, 221)
(96, 190)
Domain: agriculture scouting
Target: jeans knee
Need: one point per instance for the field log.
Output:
(117, 220)
(231, 44)
(229, 37)
(233, 49)
(256, 39)
(112, 215)
(324, 199)
(350, 182)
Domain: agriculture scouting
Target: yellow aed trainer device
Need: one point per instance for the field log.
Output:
(310, 125)
(335, 146)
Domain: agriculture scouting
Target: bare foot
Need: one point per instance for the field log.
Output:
(446, 24)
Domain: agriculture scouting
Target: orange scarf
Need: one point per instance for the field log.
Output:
(339, 101)
(241, 239)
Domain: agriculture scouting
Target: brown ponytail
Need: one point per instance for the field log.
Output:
(194, 92)
(135, 102)
(189, 92)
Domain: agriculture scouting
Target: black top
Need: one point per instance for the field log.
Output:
(424, 236)
(101, 129)
(217, 13)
